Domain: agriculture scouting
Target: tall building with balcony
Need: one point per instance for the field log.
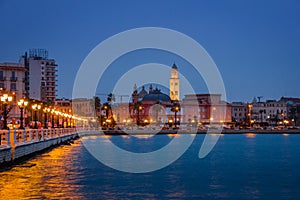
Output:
(40, 81)
(12, 78)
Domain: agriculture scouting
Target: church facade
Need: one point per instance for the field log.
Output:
(151, 106)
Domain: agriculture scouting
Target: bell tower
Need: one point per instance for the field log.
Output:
(174, 83)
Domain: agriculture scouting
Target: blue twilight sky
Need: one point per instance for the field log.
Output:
(255, 44)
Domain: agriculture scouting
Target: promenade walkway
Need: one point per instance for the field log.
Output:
(18, 143)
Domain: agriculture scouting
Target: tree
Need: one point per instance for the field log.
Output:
(97, 104)
(293, 111)
(106, 107)
(111, 98)
(138, 107)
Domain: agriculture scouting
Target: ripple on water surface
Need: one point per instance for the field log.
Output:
(239, 167)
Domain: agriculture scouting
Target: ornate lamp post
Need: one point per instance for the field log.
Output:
(6, 99)
(22, 104)
(35, 108)
(46, 110)
(175, 109)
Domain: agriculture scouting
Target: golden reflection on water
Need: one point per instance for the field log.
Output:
(48, 176)
(250, 135)
(93, 137)
(106, 136)
(214, 134)
(143, 136)
(173, 135)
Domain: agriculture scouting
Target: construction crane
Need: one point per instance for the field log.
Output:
(114, 95)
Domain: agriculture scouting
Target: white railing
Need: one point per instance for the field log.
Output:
(15, 137)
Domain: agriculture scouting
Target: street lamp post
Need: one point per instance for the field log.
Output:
(140, 108)
(5, 98)
(57, 118)
(22, 104)
(52, 118)
(250, 106)
(175, 109)
(105, 107)
(46, 110)
(66, 115)
(35, 108)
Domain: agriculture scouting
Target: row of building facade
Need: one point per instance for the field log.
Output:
(207, 108)
(35, 77)
(153, 106)
(284, 111)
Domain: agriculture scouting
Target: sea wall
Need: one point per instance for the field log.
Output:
(19, 143)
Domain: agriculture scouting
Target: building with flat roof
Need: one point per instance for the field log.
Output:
(40, 79)
(205, 108)
(240, 112)
(12, 79)
(293, 109)
(270, 111)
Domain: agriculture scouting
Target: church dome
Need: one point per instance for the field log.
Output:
(156, 95)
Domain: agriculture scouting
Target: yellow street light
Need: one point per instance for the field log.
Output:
(22, 104)
(6, 99)
(35, 107)
(46, 110)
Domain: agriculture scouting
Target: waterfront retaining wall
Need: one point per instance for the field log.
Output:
(5, 154)
(19, 143)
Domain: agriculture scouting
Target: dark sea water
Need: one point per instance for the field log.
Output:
(242, 166)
